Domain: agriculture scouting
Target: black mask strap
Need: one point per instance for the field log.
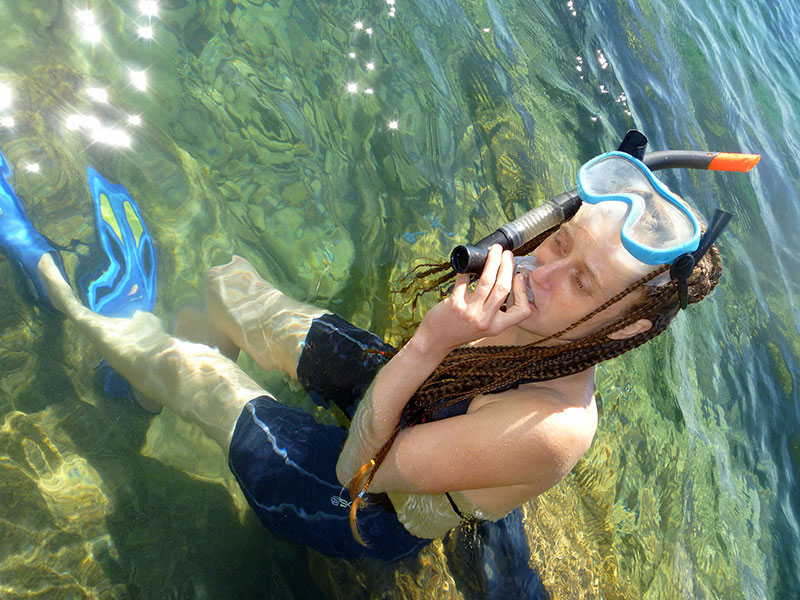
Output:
(634, 143)
(684, 265)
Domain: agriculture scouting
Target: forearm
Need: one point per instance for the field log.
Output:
(380, 410)
(461, 318)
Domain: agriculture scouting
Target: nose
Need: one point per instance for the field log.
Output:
(549, 271)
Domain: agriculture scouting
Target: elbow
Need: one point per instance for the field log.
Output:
(342, 473)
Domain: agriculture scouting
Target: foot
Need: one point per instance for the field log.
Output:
(58, 290)
(19, 238)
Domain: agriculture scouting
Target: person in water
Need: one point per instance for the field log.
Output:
(489, 404)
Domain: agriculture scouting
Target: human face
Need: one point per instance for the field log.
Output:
(579, 269)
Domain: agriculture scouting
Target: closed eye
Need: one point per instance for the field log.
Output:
(581, 285)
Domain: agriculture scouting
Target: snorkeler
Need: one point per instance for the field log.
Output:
(490, 403)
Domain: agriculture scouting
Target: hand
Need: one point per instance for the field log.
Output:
(466, 316)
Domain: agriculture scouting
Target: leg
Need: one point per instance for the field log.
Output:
(490, 560)
(256, 316)
(195, 381)
(284, 461)
(334, 360)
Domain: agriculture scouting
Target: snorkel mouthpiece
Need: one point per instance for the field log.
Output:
(683, 267)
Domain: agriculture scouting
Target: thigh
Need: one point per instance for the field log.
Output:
(256, 316)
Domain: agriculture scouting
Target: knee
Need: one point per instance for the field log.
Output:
(180, 362)
(212, 278)
(172, 359)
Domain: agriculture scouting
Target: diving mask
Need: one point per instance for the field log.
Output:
(658, 226)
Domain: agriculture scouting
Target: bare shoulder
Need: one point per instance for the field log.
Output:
(508, 448)
(562, 420)
(566, 407)
(559, 430)
(573, 424)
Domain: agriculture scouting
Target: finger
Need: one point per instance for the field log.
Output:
(489, 274)
(521, 309)
(502, 285)
(460, 287)
(514, 314)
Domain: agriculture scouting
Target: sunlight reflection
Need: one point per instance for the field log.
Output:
(148, 8)
(85, 17)
(99, 133)
(145, 32)
(393, 125)
(111, 137)
(74, 122)
(138, 79)
(7, 122)
(91, 123)
(97, 94)
(92, 34)
(90, 30)
(352, 88)
(32, 168)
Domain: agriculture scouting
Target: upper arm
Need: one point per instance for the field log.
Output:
(519, 440)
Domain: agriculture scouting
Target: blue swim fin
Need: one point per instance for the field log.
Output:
(128, 282)
(18, 238)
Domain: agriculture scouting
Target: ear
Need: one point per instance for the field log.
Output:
(631, 330)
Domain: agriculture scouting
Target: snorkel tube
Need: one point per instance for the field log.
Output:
(470, 259)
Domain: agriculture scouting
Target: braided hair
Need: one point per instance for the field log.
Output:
(470, 371)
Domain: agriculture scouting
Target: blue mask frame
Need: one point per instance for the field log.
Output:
(647, 254)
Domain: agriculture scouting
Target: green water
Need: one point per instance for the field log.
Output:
(252, 142)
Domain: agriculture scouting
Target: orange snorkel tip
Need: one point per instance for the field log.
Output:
(728, 161)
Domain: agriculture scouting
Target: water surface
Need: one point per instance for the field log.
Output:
(332, 143)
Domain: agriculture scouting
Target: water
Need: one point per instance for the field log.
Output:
(250, 142)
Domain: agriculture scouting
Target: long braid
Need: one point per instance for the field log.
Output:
(471, 371)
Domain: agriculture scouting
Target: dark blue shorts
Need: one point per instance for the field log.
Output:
(285, 462)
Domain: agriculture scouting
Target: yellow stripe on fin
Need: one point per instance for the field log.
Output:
(133, 222)
(108, 215)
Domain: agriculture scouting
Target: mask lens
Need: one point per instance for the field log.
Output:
(658, 226)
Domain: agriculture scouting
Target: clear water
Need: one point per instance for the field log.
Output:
(250, 142)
